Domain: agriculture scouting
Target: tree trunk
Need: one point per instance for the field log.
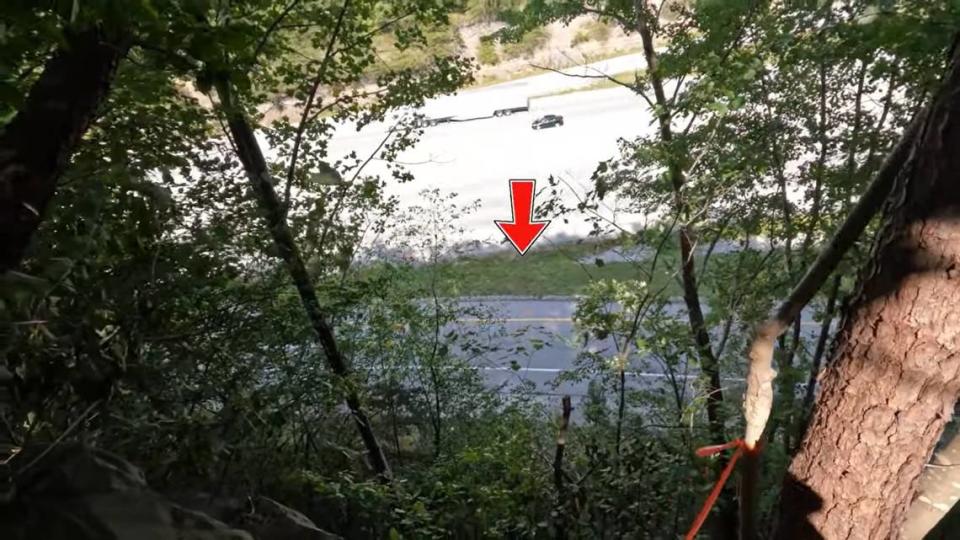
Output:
(560, 509)
(248, 150)
(810, 389)
(894, 376)
(724, 524)
(36, 145)
(686, 234)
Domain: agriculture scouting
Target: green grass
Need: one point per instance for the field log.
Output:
(538, 273)
(544, 271)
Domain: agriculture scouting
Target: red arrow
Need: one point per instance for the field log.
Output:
(522, 231)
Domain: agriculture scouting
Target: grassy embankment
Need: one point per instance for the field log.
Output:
(546, 270)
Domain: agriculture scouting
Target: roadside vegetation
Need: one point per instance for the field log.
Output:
(529, 43)
(560, 270)
(591, 31)
(568, 268)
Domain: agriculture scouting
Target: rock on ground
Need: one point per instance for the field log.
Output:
(75, 492)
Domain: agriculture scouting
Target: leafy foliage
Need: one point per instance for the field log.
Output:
(153, 313)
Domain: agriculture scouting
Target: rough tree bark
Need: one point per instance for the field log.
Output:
(248, 150)
(758, 398)
(37, 144)
(810, 389)
(894, 376)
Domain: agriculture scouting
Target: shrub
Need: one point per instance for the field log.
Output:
(528, 44)
(591, 31)
(440, 40)
(479, 11)
(487, 53)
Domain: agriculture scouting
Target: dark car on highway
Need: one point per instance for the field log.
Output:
(549, 120)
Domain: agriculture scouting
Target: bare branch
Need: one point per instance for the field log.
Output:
(272, 28)
(376, 151)
(561, 72)
(344, 99)
(602, 13)
(321, 73)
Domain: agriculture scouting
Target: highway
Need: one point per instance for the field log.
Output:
(521, 320)
(476, 159)
(516, 93)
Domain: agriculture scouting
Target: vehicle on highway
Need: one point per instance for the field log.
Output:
(549, 120)
(511, 110)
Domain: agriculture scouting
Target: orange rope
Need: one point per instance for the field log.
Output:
(708, 451)
(715, 493)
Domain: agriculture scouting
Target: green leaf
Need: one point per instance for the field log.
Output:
(326, 176)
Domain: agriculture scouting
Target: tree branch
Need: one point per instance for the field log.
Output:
(255, 166)
(558, 474)
(272, 28)
(302, 126)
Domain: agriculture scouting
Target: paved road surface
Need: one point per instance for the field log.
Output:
(476, 159)
(550, 320)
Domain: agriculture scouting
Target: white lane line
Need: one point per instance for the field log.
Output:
(519, 319)
(652, 375)
(562, 319)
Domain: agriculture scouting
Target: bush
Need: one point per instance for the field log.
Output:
(591, 31)
(440, 40)
(480, 11)
(528, 44)
(487, 53)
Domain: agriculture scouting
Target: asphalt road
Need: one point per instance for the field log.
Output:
(522, 320)
(476, 159)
